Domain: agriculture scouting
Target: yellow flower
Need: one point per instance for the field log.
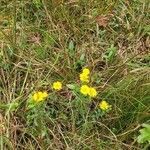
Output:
(84, 90)
(84, 77)
(92, 92)
(86, 71)
(104, 105)
(45, 94)
(57, 85)
(39, 96)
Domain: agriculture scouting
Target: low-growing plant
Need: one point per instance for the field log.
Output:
(144, 137)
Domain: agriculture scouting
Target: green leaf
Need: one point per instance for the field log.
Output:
(71, 86)
(71, 48)
(10, 107)
(82, 57)
(144, 134)
(80, 63)
(37, 3)
(111, 53)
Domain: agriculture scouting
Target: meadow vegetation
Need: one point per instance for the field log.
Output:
(74, 74)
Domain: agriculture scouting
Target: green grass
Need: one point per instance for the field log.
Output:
(44, 41)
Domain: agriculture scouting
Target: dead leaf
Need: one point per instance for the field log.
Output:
(103, 20)
(35, 38)
(147, 42)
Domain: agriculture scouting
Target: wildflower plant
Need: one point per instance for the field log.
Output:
(36, 113)
(42, 42)
(39, 96)
(36, 98)
(84, 94)
(80, 102)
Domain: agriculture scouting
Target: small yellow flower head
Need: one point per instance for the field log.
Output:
(92, 92)
(45, 94)
(39, 96)
(104, 105)
(57, 85)
(84, 77)
(84, 90)
(86, 71)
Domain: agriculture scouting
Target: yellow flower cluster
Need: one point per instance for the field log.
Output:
(104, 105)
(90, 91)
(39, 96)
(57, 85)
(86, 90)
(84, 76)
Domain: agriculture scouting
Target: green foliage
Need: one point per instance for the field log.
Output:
(144, 134)
(87, 111)
(36, 118)
(71, 48)
(37, 3)
(40, 52)
(10, 107)
(110, 53)
(80, 63)
(58, 38)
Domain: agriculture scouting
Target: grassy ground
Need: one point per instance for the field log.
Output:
(45, 41)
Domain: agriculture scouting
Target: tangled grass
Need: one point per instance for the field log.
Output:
(46, 41)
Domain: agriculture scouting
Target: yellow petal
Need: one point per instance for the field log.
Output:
(45, 94)
(84, 77)
(104, 105)
(35, 96)
(86, 71)
(57, 85)
(84, 90)
(92, 92)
